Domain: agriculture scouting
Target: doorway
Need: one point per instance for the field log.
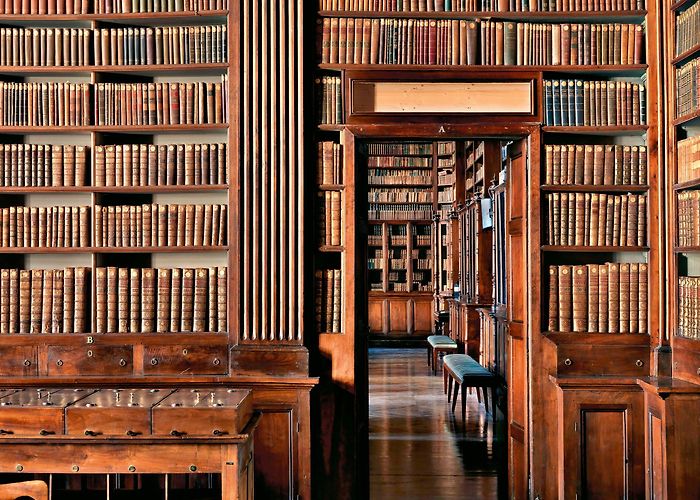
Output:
(387, 255)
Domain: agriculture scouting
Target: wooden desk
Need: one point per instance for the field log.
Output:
(231, 456)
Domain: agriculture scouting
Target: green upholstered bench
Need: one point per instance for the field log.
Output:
(463, 371)
(438, 344)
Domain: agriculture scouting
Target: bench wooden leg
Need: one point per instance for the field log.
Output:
(486, 398)
(444, 380)
(478, 394)
(435, 360)
(454, 396)
(449, 388)
(430, 355)
(464, 403)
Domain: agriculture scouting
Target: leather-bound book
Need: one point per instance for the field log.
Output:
(57, 165)
(172, 225)
(80, 165)
(366, 41)
(624, 219)
(46, 300)
(578, 221)
(549, 164)
(55, 321)
(134, 304)
(593, 226)
(553, 316)
(634, 165)
(643, 286)
(565, 298)
(212, 301)
(632, 219)
(566, 45)
(580, 176)
(613, 298)
(181, 224)
(163, 300)
(564, 217)
(112, 300)
(221, 297)
(148, 300)
(626, 165)
(587, 108)
(472, 42)
(162, 211)
(570, 164)
(198, 225)
(207, 232)
(608, 165)
(30, 298)
(588, 165)
(69, 157)
(634, 298)
(199, 323)
(602, 297)
(556, 104)
(624, 298)
(617, 212)
(643, 165)
(337, 297)
(4, 301)
(175, 300)
(548, 103)
(598, 165)
(593, 298)
(15, 292)
(638, 45)
(642, 221)
(610, 217)
(555, 220)
(146, 225)
(123, 312)
(187, 299)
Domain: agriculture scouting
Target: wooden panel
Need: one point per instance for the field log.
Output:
(273, 456)
(18, 360)
(656, 447)
(579, 359)
(423, 316)
(185, 359)
(93, 360)
(604, 448)
(398, 316)
(375, 315)
(272, 180)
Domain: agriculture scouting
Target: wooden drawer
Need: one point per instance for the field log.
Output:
(18, 361)
(578, 359)
(32, 412)
(92, 360)
(185, 360)
(118, 412)
(203, 412)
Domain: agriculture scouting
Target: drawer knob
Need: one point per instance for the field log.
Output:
(154, 361)
(75, 468)
(132, 468)
(44, 432)
(177, 433)
(59, 362)
(217, 432)
(90, 354)
(216, 362)
(131, 433)
(88, 432)
(193, 468)
(5, 432)
(185, 352)
(27, 363)
(122, 363)
(568, 362)
(639, 363)
(19, 468)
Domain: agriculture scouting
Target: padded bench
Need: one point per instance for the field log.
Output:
(438, 344)
(462, 370)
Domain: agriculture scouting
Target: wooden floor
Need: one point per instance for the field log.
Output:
(418, 449)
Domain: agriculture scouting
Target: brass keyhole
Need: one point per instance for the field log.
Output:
(216, 362)
(27, 362)
(154, 362)
(122, 362)
(640, 363)
(568, 362)
(59, 362)
(89, 354)
(184, 352)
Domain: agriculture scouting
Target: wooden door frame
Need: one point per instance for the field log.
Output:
(437, 130)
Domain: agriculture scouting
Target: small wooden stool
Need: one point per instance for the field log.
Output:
(438, 344)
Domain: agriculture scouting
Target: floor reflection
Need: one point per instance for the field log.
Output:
(418, 448)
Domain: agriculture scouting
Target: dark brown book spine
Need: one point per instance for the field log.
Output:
(46, 299)
(176, 300)
(613, 298)
(580, 298)
(222, 303)
(148, 300)
(565, 299)
(134, 300)
(163, 301)
(36, 276)
(553, 324)
(187, 299)
(212, 301)
(200, 299)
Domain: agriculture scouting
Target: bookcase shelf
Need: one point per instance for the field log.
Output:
(132, 18)
(689, 119)
(111, 250)
(681, 4)
(605, 131)
(115, 189)
(122, 129)
(680, 186)
(693, 249)
(331, 127)
(331, 248)
(686, 55)
(585, 188)
(627, 15)
(331, 187)
(605, 70)
(142, 69)
(153, 338)
(598, 338)
(593, 249)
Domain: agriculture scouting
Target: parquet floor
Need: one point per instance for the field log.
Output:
(418, 448)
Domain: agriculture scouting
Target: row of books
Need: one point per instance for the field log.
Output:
(379, 176)
(160, 225)
(688, 29)
(460, 42)
(61, 7)
(399, 162)
(399, 196)
(598, 165)
(592, 219)
(329, 163)
(688, 153)
(45, 227)
(688, 88)
(44, 6)
(689, 306)
(160, 165)
(330, 217)
(132, 300)
(481, 5)
(600, 103)
(329, 91)
(409, 211)
(44, 300)
(689, 218)
(162, 103)
(44, 46)
(328, 300)
(137, 6)
(399, 148)
(599, 298)
(44, 104)
(161, 45)
(37, 165)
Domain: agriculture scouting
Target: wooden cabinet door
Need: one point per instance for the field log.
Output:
(517, 315)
